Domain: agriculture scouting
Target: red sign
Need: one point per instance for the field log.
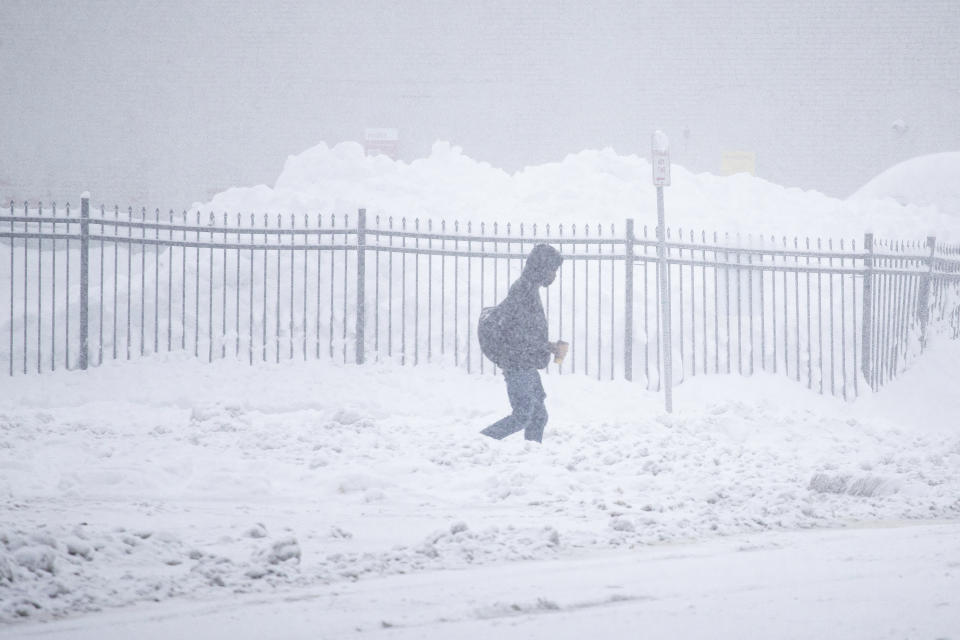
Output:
(381, 141)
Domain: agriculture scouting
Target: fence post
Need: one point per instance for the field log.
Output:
(628, 303)
(12, 242)
(666, 338)
(361, 281)
(866, 324)
(924, 292)
(84, 275)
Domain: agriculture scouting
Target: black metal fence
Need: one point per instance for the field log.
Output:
(121, 284)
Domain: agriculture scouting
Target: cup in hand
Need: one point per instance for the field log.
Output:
(560, 351)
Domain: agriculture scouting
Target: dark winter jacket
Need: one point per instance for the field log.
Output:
(523, 326)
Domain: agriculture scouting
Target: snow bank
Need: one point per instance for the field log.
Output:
(586, 187)
(927, 182)
(170, 477)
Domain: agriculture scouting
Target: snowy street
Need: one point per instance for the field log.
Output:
(895, 581)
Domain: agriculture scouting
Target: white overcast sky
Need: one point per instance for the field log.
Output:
(166, 103)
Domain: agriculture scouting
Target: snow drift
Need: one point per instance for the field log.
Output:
(589, 186)
(927, 182)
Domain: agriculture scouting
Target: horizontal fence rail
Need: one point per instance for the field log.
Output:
(112, 284)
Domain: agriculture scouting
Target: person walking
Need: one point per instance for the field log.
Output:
(513, 335)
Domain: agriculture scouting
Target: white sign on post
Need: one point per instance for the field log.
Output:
(660, 145)
(660, 159)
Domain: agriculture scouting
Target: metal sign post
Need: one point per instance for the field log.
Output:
(661, 177)
(84, 279)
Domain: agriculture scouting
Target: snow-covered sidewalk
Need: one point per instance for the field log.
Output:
(169, 478)
(892, 582)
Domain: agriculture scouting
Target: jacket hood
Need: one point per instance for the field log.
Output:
(542, 264)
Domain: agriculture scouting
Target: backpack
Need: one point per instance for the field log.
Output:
(490, 334)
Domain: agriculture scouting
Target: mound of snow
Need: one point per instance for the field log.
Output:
(592, 186)
(927, 181)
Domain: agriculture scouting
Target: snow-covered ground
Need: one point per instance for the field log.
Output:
(169, 478)
(308, 499)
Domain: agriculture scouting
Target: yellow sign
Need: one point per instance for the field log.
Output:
(732, 162)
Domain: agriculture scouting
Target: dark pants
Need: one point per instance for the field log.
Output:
(526, 399)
